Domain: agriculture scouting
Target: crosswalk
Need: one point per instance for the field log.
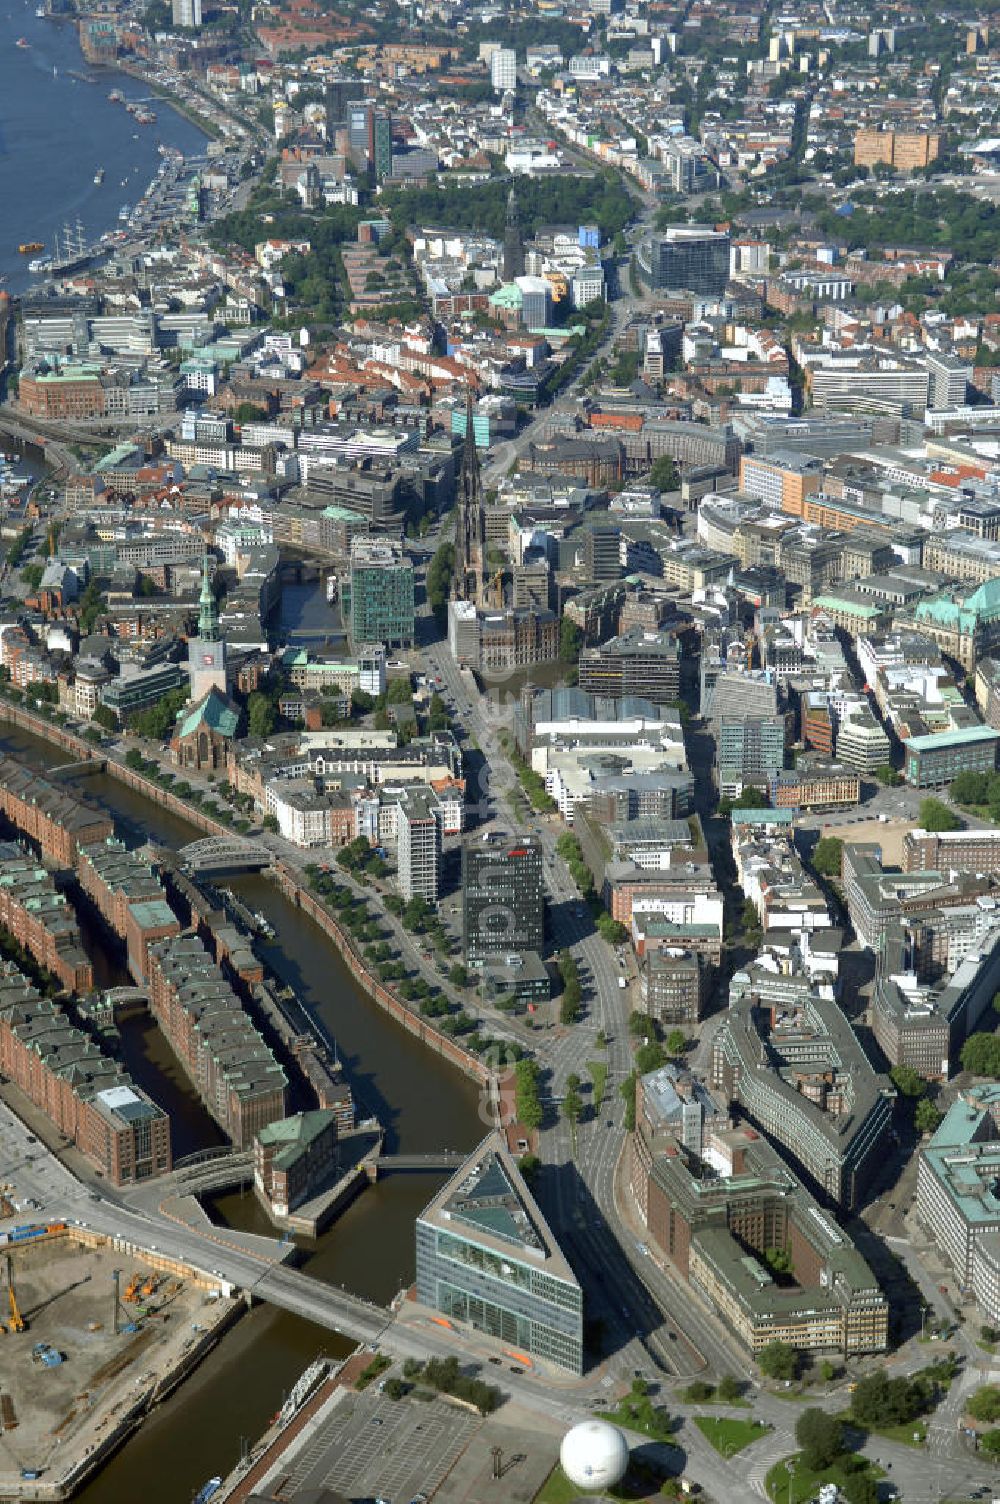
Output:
(764, 1454)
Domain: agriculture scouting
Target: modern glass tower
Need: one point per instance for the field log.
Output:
(486, 1257)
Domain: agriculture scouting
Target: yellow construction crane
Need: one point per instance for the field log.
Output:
(17, 1322)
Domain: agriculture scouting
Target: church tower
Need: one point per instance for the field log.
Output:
(470, 525)
(513, 246)
(207, 651)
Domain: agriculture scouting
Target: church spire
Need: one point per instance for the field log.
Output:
(208, 611)
(513, 245)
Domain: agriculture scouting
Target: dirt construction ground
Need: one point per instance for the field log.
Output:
(66, 1293)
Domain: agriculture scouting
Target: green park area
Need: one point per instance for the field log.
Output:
(729, 1436)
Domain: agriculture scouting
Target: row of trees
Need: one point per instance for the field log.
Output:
(572, 994)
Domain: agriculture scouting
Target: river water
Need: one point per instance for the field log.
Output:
(56, 130)
(424, 1104)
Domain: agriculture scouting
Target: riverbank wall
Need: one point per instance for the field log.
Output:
(288, 878)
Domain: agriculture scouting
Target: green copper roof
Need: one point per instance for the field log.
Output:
(214, 711)
(295, 1134)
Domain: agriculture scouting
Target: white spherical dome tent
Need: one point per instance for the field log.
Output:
(594, 1455)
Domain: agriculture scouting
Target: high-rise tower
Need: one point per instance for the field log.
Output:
(513, 245)
(470, 527)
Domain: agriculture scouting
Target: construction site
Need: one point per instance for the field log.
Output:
(91, 1338)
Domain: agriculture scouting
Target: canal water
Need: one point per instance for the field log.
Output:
(424, 1105)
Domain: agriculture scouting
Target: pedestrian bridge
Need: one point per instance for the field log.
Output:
(218, 854)
(75, 769)
(444, 1160)
(202, 1173)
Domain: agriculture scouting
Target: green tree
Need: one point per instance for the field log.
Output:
(985, 1403)
(908, 1081)
(458, 976)
(572, 1106)
(627, 1093)
(92, 605)
(675, 1042)
(859, 1488)
(936, 816)
(989, 1442)
(827, 855)
(105, 717)
(729, 1389)
(260, 714)
(821, 1437)
(570, 640)
(270, 822)
(970, 788)
(529, 1166)
(778, 1360)
(981, 1055)
(416, 913)
(779, 1260)
(888, 776)
(663, 474)
(159, 718)
(527, 1101)
(879, 1400)
(439, 574)
(400, 691)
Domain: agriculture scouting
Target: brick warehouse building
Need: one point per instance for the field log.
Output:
(40, 919)
(237, 1077)
(58, 821)
(87, 1096)
(129, 897)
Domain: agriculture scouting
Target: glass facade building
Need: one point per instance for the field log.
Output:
(692, 257)
(380, 600)
(486, 1257)
(503, 897)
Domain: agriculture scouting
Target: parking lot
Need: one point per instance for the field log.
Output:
(372, 1447)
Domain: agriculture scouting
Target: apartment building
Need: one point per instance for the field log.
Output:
(903, 150)
(952, 851)
(815, 784)
(934, 760)
(750, 751)
(674, 983)
(418, 845)
(862, 743)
